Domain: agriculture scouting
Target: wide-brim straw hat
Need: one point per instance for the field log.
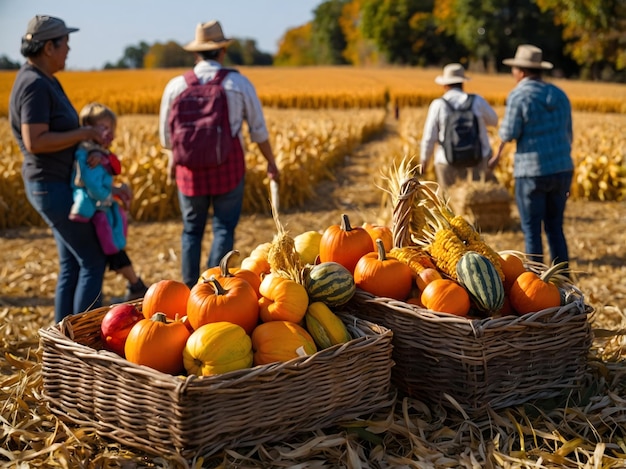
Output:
(209, 36)
(528, 56)
(452, 74)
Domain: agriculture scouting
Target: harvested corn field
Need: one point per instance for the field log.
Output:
(583, 429)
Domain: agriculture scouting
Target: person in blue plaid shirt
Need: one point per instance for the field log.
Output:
(538, 116)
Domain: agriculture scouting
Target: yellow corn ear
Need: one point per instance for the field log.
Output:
(464, 229)
(446, 250)
(415, 257)
(474, 242)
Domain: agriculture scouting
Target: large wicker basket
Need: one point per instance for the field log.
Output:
(194, 416)
(480, 363)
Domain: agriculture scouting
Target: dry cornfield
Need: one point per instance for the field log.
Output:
(582, 430)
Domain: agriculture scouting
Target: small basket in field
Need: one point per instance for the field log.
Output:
(485, 204)
(190, 416)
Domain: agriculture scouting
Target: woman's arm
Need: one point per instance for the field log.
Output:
(39, 139)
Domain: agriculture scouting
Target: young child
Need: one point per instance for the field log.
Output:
(98, 200)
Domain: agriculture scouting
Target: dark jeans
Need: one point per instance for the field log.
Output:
(81, 260)
(195, 210)
(541, 201)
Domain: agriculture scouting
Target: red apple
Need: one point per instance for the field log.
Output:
(116, 324)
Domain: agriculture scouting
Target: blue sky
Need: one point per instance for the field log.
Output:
(107, 27)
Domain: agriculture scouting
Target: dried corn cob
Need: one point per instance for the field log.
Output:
(474, 241)
(415, 257)
(446, 249)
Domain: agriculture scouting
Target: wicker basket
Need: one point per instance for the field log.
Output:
(480, 363)
(198, 416)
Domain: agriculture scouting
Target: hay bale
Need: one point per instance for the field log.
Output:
(485, 204)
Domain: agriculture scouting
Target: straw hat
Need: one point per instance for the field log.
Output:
(452, 73)
(209, 36)
(528, 56)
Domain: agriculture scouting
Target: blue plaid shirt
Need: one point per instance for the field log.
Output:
(538, 116)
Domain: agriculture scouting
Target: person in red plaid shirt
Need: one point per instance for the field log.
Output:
(221, 187)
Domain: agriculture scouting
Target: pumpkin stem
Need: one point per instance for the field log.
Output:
(217, 286)
(345, 223)
(159, 317)
(225, 261)
(382, 256)
(553, 270)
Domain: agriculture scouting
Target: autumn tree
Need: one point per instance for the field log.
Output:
(402, 30)
(491, 30)
(594, 31)
(295, 48)
(245, 52)
(168, 55)
(359, 50)
(328, 40)
(132, 58)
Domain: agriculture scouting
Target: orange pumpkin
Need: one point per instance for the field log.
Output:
(230, 299)
(282, 299)
(446, 296)
(344, 244)
(279, 341)
(223, 270)
(531, 292)
(157, 343)
(379, 232)
(512, 266)
(383, 276)
(166, 296)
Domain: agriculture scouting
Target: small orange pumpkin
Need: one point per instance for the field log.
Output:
(446, 296)
(531, 293)
(230, 299)
(344, 244)
(379, 232)
(166, 296)
(282, 299)
(157, 343)
(224, 270)
(279, 341)
(383, 276)
(512, 266)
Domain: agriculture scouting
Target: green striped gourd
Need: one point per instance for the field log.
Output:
(481, 280)
(330, 283)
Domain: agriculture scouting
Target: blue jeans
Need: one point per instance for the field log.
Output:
(195, 210)
(81, 260)
(541, 201)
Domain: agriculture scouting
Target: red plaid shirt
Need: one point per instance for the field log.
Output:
(213, 181)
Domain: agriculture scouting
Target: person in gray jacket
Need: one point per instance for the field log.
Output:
(452, 80)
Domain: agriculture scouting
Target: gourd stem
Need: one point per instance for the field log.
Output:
(382, 256)
(217, 286)
(345, 223)
(555, 269)
(224, 269)
(159, 317)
